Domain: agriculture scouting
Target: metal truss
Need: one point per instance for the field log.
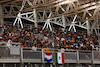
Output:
(69, 13)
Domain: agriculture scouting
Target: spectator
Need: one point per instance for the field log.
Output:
(9, 44)
(34, 48)
(46, 39)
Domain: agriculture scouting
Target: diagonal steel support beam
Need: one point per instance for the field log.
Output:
(73, 24)
(47, 23)
(18, 20)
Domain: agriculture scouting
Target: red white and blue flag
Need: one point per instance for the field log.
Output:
(48, 57)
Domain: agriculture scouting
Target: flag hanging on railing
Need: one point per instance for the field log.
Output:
(48, 57)
(59, 58)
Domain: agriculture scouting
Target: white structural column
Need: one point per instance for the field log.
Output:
(88, 26)
(35, 18)
(1, 15)
(64, 21)
(98, 27)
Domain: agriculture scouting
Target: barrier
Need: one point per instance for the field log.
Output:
(6, 55)
(32, 56)
(85, 57)
(26, 55)
(96, 59)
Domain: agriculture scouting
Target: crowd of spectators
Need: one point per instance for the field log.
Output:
(58, 38)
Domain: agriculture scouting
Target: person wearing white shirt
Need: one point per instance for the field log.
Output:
(9, 44)
(63, 29)
(57, 38)
(34, 48)
(45, 37)
(62, 39)
(92, 45)
(62, 50)
(81, 44)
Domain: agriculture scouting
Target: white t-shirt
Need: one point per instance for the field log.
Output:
(57, 38)
(62, 39)
(45, 38)
(62, 50)
(53, 44)
(34, 48)
(8, 44)
(81, 44)
(63, 29)
(9, 34)
(92, 45)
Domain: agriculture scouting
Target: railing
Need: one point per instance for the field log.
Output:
(9, 55)
(32, 56)
(26, 55)
(6, 52)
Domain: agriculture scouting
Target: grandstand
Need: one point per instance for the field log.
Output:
(49, 33)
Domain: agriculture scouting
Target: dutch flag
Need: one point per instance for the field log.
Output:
(48, 57)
